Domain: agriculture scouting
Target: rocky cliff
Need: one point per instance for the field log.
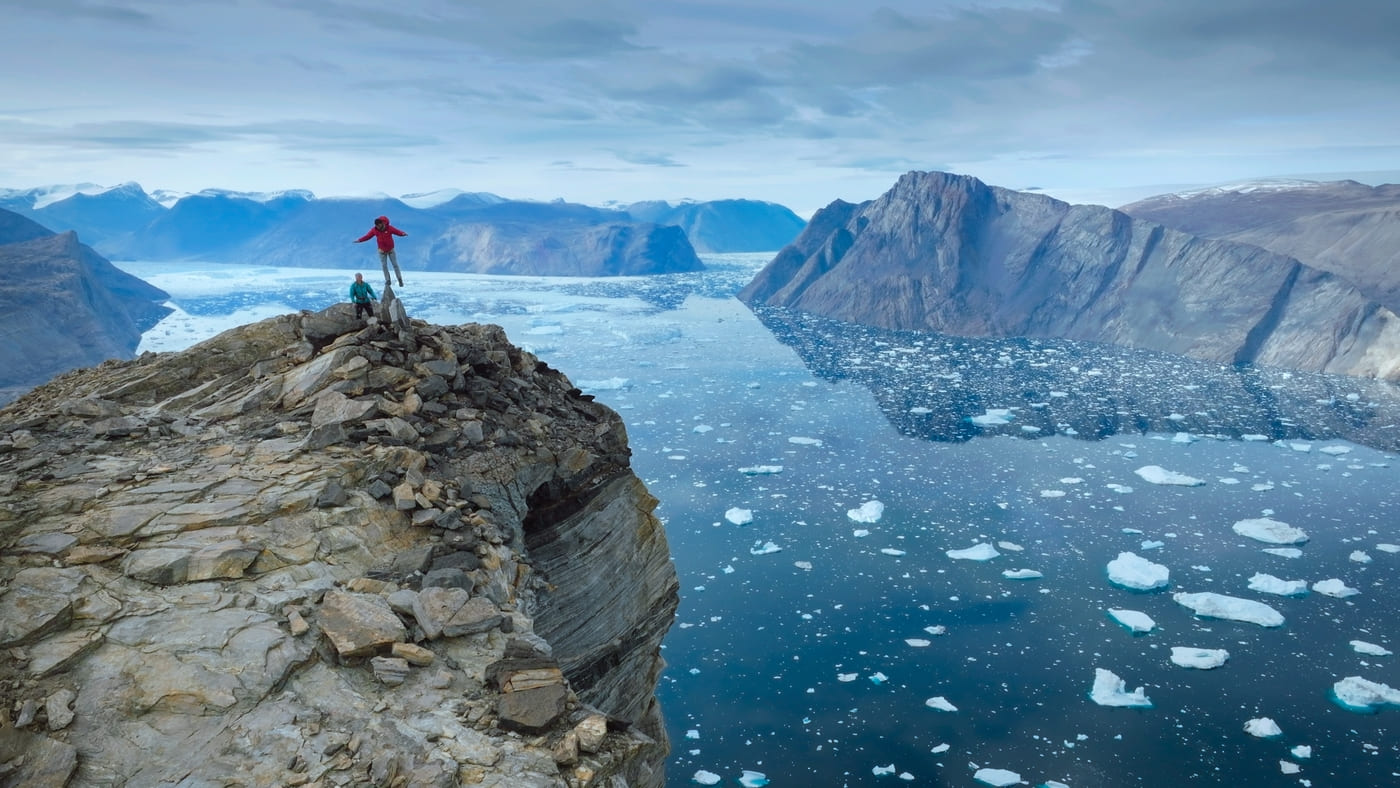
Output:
(1344, 227)
(64, 306)
(950, 254)
(311, 551)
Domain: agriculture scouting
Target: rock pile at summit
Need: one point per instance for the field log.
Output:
(314, 552)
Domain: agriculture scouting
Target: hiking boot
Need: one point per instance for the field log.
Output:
(400, 283)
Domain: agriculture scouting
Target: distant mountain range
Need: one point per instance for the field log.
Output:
(950, 254)
(64, 306)
(447, 231)
(1344, 227)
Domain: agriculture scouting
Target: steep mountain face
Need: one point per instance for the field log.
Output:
(1344, 227)
(109, 216)
(314, 551)
(720, 226)
(563, 249)
(950, 254)
(64, 306)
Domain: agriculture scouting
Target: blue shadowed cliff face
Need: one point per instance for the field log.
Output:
(827, 638)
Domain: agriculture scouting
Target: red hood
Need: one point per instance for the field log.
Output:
(383, 219)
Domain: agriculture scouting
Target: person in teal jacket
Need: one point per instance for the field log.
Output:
(362, 296)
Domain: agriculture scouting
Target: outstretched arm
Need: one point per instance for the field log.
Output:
(365, 237)
(397, 231)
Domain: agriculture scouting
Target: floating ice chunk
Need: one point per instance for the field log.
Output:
(801, 441)
(1156, 474)
(1109, 690)
(937, 629)
(1301, 752)
(878, 678)
(1354, 693)
(1334, 587)
(1052, 493)
(1299, 447)
(1360, 557)
(1335, 451)
(1289, 767)
(1151, 544)
(692, 734)
(1388, 548)
(753, 779)
(1263, 727)
(1134, 621)
(610, 384)
(996, 777)
(940, 703)
(1262, 486)
(1270, 531)
(1119, 488)
(892, 551)
(1022, 574)
(1053, 784)
(847, 677)
(1268, 584)
(1071, 480)
(1012, 546)
(859, 532)
(941, 748)
(906, 776)
(994, 417)
(1212, 605)
(1254, 436)
(1362, 647)
(869, 512)
(1183, 437)
(702, 428)
(881, 771)
(919, 410)
(982, 551)
(705, 778)
(1199, 658)
(761, 470)
(739, 516)
(1284, 552)
(918, 642)
(1130, 570)
(803, 565)
(763, 548)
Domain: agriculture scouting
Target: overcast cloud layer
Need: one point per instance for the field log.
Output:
(799, 103)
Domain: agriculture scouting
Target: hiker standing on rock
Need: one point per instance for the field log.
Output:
(384, 233)
(362, 296)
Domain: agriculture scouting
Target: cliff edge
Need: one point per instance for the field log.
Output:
(314, 552)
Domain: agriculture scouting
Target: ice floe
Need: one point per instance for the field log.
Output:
(918, 642)
(982, 551)
(761, 470)
(739, 516)
(869, 512)
(1370, 649)
(703, 777)
(1268, 584)
(1284, 552)
(997, 777)
(1263, 727)
(881, 771)
(1199, 658)
(764, 548)
(1334, 587)
(1022, 574)
(940, 703)
(1109, 690)
(1212, 605)
(994, 417)
(801, 441)
(1359, 556)
(752, 779)
(1263, 529)
(1134, 621)
(1130, 570)
(1362, 695)
(1156, 474)
(892, 551)
(1301, 752)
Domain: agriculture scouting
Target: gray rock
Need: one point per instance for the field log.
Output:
(45, 762)
(390, 671)
(58, 706)
(359, 624)
(453, 612)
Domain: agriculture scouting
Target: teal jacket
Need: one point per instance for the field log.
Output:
(362, 293)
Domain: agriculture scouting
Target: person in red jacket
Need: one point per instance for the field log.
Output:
(384, 233)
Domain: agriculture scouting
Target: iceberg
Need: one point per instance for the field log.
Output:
(1268, 584)
(1354, 693)
(1134, 621)
(1334, 587)
(981, 551)
(764, 548)
(1130, 570)
(1022, 574)
(1370, 649)
(996, 777)
(1109, 690)
(1212, 605)
(892, 551)
(739, 516)
(1270, 531)
(940, 703)
(1156, 474)
(1284, 552)
(761, 470)
(994, 417)
(705, 778)
(751, 779)
(881, 771)
(1199, 658)
(869, 512)
(1263, 727)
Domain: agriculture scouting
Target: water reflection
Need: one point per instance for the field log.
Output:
(952, 389)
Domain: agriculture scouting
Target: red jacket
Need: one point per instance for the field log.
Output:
(385, 236)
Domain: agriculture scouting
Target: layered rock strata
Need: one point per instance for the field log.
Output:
(313, 552)
(949, 254)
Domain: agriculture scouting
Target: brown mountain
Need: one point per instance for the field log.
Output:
(950, 254)
(64, 306)
(1344, 227)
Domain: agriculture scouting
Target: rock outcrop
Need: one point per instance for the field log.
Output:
(64, 306)
(949, 254)
(311, 551)
(1344, 227)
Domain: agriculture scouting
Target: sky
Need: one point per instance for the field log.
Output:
(617, 101)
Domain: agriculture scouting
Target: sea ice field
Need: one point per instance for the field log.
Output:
(915, 559)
